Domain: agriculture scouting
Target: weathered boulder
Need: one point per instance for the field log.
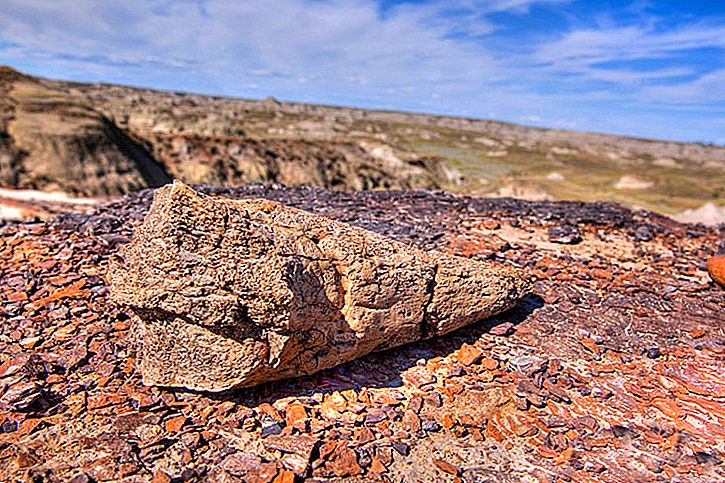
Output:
(234, 293)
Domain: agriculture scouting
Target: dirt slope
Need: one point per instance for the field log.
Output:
(53, 142)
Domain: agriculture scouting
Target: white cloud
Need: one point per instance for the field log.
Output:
(430, 56)
(706, 88)
(586, 52)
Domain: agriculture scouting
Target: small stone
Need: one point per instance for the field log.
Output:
(565, 234)
(344, 461)
(415, 404)
(448, 421)
(161, 477)
(375, 417)
(84, 478)
(469, 354)
(300, 445)
(430, 426)
(642, 233)
(249, 467)
(489, 364)
(411, 421)
(529, 365)
(504, 329)
(716, 269)
(174, 425)
(9, 426)
(296, 416)
(270, 426)
(284, 476)
(401, 448)
(377, 466)
(446, 467)
(456, 371)
(22, 396)
(434, 400)
(653, 352)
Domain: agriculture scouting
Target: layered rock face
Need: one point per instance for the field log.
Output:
(51, 141)
(233, 293)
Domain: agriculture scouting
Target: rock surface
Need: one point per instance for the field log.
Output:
(236, 293)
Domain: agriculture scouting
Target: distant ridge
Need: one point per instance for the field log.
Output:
(144, 136)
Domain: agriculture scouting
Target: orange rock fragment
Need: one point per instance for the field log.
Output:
(377, 466)
(284, 476)
(296, 416)
(161, 477)
(71, 291)
(174, 425)
(446, 467)
(564, 457)
(448, 422)
(268, 409)
(469, 354)
(591, 345)
(667, 407)
(697, 333)
(489, 364)
(337, 401)
(716, 269)
(343, 461)
(17, 297)
(546, 452)
(603, 274)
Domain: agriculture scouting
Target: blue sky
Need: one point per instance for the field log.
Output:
(652, 69)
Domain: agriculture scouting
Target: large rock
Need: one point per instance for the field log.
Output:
(234, 293)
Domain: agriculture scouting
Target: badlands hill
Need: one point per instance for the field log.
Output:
(101, 140)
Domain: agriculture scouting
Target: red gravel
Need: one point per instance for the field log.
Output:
(612, 372)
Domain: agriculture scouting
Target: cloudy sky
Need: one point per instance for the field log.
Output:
(645, 68)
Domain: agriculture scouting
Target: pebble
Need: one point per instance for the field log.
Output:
(503, 329)
(643, 233)
(565, 234)
(446, 467)
(653, 352)
(270, 426)
(716, 269)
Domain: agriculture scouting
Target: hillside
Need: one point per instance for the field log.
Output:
(98, 139)
(610, 372)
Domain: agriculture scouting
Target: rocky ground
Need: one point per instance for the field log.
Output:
(104, 140)
(611, 371)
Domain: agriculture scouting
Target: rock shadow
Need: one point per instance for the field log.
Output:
(378, 369)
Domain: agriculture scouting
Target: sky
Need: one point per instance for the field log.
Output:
(644, 68)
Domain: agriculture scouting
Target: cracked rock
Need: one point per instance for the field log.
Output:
(234, 293)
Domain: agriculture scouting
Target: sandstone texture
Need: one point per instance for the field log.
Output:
(235, 293)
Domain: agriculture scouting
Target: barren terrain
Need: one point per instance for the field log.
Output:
(611, 371)
(101, 140)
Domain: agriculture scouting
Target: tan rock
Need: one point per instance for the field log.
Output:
(234, 293)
